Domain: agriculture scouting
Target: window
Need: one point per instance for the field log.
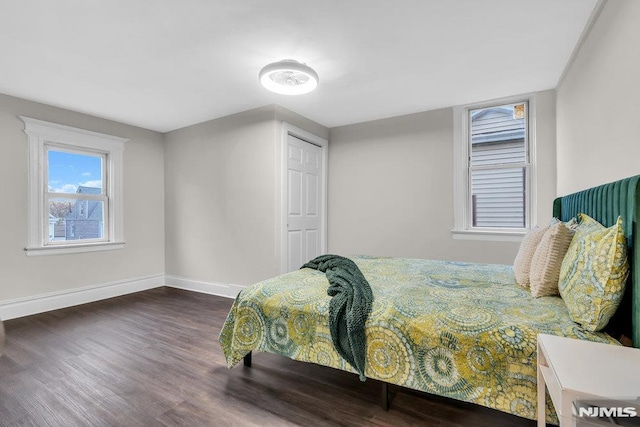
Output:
(75, 194)
(494, 169)
(75, 189)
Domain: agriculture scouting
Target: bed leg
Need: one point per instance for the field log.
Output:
(386, 401)
(247, 360)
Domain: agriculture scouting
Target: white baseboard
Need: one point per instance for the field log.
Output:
(27, 306)
(213, 288)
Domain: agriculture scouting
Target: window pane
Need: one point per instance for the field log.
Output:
(498, 197)
(75, 219)
(74, 173)
(498, 135)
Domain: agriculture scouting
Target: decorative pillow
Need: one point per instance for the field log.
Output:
(572, 224)
(522, 263)
(594, 273)
(546, 262)
(586, 224)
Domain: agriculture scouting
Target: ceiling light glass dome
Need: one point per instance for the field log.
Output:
(289, 77)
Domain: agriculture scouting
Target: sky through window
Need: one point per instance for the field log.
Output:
(68, 171)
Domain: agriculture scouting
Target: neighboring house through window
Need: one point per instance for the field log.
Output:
(493, 169)
(85, 216)
(75, 189)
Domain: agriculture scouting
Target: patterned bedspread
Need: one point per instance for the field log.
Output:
(465, 331)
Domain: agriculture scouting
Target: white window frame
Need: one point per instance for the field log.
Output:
(462, 225)
(105, 159)
(43, 136)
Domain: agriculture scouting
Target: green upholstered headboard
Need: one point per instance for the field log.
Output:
(604, 203)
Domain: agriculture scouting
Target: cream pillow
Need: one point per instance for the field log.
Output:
(547, 260)
(522, 263)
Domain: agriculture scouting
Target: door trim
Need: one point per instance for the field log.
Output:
(289, 129)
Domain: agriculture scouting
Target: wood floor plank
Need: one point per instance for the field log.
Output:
(152, 358)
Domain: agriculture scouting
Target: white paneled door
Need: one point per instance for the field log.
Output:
(305, 208)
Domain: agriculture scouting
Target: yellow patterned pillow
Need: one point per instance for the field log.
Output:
(586, 224)
(594, 273)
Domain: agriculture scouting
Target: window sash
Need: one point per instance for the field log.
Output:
(52, 146)
(525, 195)
(105, 218)
(470, 111)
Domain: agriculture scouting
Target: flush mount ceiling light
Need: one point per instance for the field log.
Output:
(289, 77)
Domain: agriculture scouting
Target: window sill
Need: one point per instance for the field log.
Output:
(74, 249)
(488, 235)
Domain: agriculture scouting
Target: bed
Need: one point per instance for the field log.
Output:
(460, 330)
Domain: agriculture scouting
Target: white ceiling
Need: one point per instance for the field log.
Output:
(166, 64)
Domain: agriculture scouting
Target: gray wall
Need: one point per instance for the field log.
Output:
(222, 187)
(22, 276)
(391, 187)
(599, 103)
(210, 195)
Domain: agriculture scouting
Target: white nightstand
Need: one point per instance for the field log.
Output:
(574, 369)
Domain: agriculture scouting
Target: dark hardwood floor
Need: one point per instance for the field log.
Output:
(152, 358)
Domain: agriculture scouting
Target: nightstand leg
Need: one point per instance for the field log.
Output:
(542, 412)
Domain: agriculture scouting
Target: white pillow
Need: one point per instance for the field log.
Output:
(522, 263)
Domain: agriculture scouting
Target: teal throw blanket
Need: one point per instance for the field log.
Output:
(349, 308)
